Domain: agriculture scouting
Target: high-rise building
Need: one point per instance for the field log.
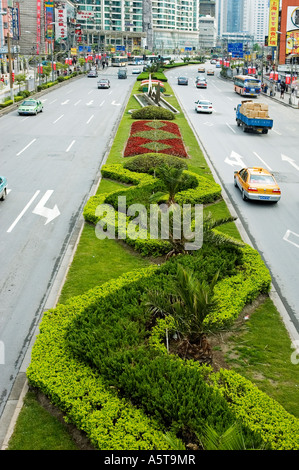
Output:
(175, 24)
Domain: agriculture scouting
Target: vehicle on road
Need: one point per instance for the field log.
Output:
(30, 106)
(103, 83)
(92, 74)
(203, 106)
(201, 69)
(210, 72)
(3, 188)
(136, 71)
(246, 85)
(201, 83)
(122, 73)
(218, 65)
(257, 184)
(213, 61)
(182, 81)
(253, 117)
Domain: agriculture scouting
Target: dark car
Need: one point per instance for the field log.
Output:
(103, 83)
(182, 81)
(122, 73)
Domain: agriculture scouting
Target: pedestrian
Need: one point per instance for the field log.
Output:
(282, 89)
(103, 65)
(106, 63)
(265, 88)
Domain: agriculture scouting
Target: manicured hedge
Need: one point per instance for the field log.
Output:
(111, 423)
(73, 336)
(205, 191)
(152, 112)
(149, 162)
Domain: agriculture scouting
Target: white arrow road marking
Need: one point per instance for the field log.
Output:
(234, 159)
(270, 169)
(21, 151)
(290, 233)
(290, 160)
(65, 102)
(89, 103)
(23, 212)
(115, 104)
(40, 209)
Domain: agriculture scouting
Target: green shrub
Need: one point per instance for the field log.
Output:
(6, 103)
(152, 112)
(148, 162)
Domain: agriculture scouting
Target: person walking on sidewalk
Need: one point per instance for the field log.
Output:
(282, 89)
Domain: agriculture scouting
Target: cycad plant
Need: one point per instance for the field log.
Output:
(189, 306)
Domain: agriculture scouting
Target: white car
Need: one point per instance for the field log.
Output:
(203, 106)
(136, 70)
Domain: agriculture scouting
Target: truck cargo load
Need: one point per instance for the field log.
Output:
(253, 116)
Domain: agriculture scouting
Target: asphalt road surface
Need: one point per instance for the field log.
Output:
(51, 162)
(273, 228)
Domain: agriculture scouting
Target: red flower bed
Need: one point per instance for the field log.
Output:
(138, 145)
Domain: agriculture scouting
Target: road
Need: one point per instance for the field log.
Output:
(52, 163)
(273, 228)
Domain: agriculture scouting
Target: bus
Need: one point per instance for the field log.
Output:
(119, 61)
(246, 85)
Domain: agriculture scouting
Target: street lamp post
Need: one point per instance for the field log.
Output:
(2, 13)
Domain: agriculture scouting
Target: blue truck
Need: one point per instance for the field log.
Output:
(254, 119)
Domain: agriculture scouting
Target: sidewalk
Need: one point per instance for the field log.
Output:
(287, 97)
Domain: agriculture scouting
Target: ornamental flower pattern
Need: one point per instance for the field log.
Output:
(155, 137)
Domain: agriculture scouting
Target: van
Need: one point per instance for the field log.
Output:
(122, 73)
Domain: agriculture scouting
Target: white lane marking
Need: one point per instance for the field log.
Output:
(65, 102)
(70, 146)
(276, 132)
(23, 211)
(30, 143)
(287, 235)
(53, 101)
(91, 117)
(269, 168)
(58, 118)
(77, 102)
(230, 128)
(102, 103)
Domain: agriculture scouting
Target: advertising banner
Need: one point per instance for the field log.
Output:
(292, 33)
(49, 19)
(61, 23)
(273, 22)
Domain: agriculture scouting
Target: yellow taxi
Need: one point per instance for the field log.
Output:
(257, 184)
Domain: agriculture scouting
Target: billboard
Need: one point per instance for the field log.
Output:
(273, 22)
(292, 30)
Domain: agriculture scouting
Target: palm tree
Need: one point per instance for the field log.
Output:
(189, 307)
(172, 179)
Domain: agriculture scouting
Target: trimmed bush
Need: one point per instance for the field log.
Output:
(153, 112)
(149, 162)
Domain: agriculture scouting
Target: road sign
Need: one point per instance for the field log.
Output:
(235, 48)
